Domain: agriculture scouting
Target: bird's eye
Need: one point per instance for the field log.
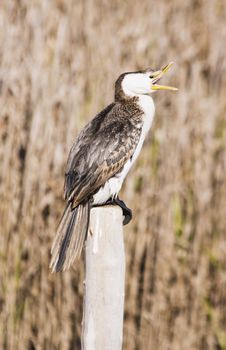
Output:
(151, 76)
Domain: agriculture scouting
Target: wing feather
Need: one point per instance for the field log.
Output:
(101, 151)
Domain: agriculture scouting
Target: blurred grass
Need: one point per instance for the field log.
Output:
(58, 63)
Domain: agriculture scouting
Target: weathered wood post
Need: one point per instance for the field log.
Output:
(104, 281)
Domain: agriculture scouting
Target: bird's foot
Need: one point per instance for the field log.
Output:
(127, 212)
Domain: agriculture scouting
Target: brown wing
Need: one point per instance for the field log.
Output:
(101, 150)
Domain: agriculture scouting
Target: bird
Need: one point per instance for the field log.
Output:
(101, 157)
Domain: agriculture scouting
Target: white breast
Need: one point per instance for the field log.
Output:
(147, 105)
(113, 185)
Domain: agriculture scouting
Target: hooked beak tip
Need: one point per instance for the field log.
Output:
(159, 75)
(167, 67)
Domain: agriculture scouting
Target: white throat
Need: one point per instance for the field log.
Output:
(136, 84)
(146, 103)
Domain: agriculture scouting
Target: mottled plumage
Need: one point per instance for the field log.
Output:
(101, 150)
(100, 159)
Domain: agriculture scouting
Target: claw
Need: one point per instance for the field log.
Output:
(127, 212)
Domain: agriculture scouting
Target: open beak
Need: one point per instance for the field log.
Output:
(158, 75)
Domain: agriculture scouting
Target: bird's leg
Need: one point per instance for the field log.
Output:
(127, 212)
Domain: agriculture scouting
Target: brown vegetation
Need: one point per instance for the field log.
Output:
(59, 60)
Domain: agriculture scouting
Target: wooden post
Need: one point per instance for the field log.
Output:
(104, 281)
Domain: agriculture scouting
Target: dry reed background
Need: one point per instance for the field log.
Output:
(59, 60)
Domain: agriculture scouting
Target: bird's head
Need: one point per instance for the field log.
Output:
(134, 84)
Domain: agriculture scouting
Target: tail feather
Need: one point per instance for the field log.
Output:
(77, 242)
(70, 237)
(65, 243)
(63, 222)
